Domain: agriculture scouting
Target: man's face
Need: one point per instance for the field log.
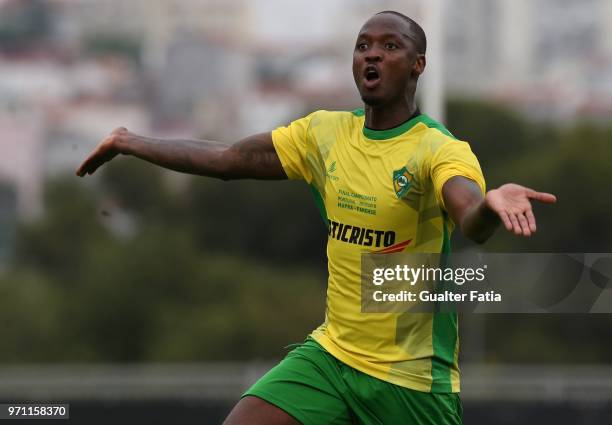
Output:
(385, 60)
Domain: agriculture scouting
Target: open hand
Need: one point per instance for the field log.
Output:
(104, 152)
(512, 203)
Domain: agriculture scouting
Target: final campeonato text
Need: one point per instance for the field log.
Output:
(404, 274)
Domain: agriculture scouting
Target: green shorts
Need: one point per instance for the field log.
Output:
(317, 389)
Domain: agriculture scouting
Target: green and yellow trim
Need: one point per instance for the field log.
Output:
(402, 128)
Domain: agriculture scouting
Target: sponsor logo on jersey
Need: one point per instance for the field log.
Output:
(398, 247)
(364, 237)
(402, 181)
(330, 172)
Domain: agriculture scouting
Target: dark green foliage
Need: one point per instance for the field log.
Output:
(104, 44)
(179, 286)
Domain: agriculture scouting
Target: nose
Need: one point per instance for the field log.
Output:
(374, 54)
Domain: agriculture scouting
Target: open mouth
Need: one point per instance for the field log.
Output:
(372, 76)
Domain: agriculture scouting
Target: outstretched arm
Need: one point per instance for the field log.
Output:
(478, 216)
(253, 157)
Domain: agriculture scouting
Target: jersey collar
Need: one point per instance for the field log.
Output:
(395, 131)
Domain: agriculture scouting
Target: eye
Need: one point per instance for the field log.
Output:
(361, 46)
(390, 46)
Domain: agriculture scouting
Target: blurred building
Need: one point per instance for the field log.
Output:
(552, 58)
(21, 143)
(52, 114)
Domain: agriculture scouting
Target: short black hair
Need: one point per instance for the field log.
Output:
(420, 40)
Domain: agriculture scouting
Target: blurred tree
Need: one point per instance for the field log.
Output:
(8, 219)
(30, 318)
(271, 221)
(240, 310)
(127, 299)
(499, 137)
(55, 245)
(108, 44)
(139, 188)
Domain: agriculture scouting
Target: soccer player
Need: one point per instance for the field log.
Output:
(387, 179)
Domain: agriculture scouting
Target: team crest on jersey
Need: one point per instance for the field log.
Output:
(402, 181)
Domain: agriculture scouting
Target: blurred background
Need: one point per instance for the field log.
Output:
(144, 295)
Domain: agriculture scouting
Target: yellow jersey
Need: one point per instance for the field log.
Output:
(380, 191)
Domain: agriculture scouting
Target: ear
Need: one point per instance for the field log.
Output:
(419, 65)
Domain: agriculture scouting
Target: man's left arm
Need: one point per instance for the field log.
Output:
(478, 216)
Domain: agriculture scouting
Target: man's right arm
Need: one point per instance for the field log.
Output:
(253, 157)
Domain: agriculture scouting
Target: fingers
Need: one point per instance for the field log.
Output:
(547, 198)
(91, 163)
(516, 227)
(511, 202)
(85, 167)
(531, 220)
(103, 153)
(506, 220)
(525, 231)
(89, 166)
(521, 224)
